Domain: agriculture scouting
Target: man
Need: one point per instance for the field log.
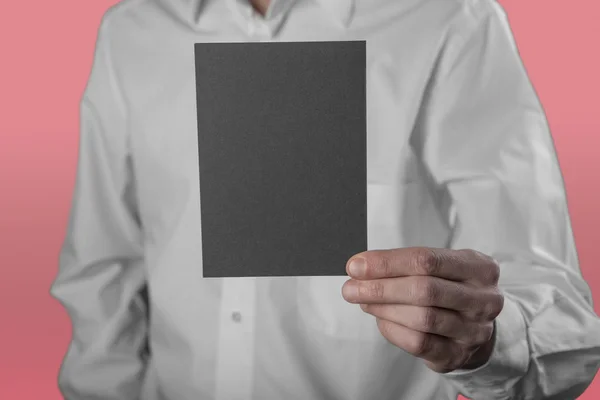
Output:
(476, 289)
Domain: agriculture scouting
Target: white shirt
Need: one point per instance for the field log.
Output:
(459, 156)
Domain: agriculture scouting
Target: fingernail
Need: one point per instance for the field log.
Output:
(350, 291)
(357, 267)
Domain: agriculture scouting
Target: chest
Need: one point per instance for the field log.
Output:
(161, 91)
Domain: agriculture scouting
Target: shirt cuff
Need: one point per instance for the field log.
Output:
(507, 364)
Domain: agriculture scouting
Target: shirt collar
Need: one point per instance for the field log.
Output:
(341, 10)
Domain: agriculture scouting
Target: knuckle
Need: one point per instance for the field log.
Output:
(497, 305)
(427, 261)
(486, 310)
(384, 266)
(489, 267)
(429, 319)
(421, 345)
(478, 312)
(494, 271)
(472, 310)
(425, 291)
(492, 308)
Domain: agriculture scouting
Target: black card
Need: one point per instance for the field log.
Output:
(282, 157)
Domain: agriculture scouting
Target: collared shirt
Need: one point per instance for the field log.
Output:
(459, 156)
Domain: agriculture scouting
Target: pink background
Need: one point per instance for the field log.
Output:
(46, 49)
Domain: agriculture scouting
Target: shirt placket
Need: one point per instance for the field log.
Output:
(235, 353)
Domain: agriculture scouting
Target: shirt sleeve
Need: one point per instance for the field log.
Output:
(101, 281)
(484, 139)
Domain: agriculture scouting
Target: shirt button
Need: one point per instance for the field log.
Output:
(236, 316)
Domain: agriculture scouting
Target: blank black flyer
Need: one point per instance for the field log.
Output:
(282, 157)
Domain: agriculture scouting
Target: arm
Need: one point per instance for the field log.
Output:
(484, 139)
(101, 275)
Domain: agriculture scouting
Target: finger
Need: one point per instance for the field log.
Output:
(455, 265)
(420, 291)
(474, 304)
(442, 353)
(433, 320)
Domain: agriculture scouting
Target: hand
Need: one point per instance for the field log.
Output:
(437, 304)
